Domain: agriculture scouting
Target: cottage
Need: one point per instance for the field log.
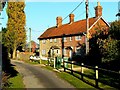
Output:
(67, 39)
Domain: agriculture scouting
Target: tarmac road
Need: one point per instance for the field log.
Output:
(37, 77)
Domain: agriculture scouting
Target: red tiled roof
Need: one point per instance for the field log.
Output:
(68, 29)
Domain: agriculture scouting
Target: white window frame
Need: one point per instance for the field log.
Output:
(51, 40)
(70, 38)
(43, 41)
(43, 52)
(55, 40)
(65, 39)
(77, 51)
(78, 38)
(65, 51)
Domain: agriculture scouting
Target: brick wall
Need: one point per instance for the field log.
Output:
(24, 55)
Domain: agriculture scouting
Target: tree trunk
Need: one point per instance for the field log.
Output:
(14, 53)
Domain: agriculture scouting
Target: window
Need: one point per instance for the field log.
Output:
(50, 40)
(70, 38)
(43, 41)
(77, 37)
(65, 39)
(55, 40)
(65, 52)
(43, 52)
(57, 51)
(77, 51)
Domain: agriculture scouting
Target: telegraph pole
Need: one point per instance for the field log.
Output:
(119, 10)
(30, 41)
(118, 14)
(87, 28)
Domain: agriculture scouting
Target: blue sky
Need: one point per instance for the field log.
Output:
(42, 15)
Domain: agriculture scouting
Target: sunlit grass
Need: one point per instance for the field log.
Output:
(31, 62)
(16, 82)
(89, 75)
(73, 80)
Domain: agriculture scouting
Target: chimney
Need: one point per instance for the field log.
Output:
(71, 16)
(59, 21)
(98, 10)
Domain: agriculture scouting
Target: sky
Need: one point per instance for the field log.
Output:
(41, 15)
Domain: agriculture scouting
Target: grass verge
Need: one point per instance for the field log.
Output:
(70, 79)
(30, 62)
(77, 82)
(16, 82)
(73, 80)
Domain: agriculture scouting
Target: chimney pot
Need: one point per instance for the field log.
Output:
(71, 16)
(98, 10)
(59, 21)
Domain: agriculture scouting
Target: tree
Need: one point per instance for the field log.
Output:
(115, 30)
(2, 4)
(112, 44)
(15, 35)
(110, 47)
(111, 50)
(99, 34)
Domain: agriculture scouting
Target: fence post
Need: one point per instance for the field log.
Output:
(71, 67)
(96, 76)
(48, 61)
(82, 71)
(54, 62)
(119, 77)
(63, 64)
(40, 61)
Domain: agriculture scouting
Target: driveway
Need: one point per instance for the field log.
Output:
(37, 77)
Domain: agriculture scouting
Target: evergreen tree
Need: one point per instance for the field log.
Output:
(15, 35)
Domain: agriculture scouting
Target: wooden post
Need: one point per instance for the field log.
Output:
(96, 75)
(72, 64)
(54, 62)
(40, 61)
(87, 28)
(30, 41)
(71, 67)
(48, 61)
(119, 77)
(82, 70)
(64, 65)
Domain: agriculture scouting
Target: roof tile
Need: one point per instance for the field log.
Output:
(68, 29)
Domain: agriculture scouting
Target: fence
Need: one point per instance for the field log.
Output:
(96, 70)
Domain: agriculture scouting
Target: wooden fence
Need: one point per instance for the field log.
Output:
(96, 70)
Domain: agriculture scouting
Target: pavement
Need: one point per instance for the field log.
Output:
(36, 77)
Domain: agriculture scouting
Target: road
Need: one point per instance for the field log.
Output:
(37, 77)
